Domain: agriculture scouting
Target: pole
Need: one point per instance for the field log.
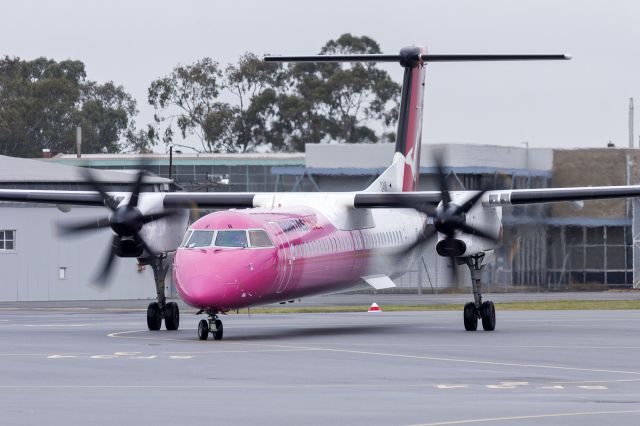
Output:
(78, 142)
(631, 123)
(170, 161)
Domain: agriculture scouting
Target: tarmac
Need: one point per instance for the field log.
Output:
(99, 365)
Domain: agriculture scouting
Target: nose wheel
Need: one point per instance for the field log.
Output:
(212, 325)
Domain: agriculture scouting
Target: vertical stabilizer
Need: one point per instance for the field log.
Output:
(410, 119)
(404, 172)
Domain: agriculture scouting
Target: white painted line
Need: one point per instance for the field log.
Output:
(61, 356)
(53, 325)
(443, 359)
(145, 357)
(443, 386)
(533, 416)
(180, 357)
(103, 356)
(593, 387)
(126, 353)
(514, 383)
(556, 387)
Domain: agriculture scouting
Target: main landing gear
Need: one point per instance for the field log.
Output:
(211, 325)
(478, 309)
(157, 311)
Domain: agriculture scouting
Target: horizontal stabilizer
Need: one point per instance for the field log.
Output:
(379, 282)
(424, 57)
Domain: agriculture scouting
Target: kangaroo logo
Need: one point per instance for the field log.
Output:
(410, 160)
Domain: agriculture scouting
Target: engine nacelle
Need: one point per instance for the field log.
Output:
(487, 219)
(163, 235)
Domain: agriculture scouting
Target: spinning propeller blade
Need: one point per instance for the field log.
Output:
(126, 222)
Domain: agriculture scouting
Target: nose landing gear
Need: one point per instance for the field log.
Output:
(211, 325)
(478, 309)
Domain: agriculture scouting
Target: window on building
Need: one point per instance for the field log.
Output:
(7, 240)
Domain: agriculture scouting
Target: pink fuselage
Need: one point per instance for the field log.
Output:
(309, 256)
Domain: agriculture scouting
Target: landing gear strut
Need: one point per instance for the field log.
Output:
(212, 325)
(157, 311)
(478, 309)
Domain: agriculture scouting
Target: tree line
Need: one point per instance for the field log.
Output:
(242, 107)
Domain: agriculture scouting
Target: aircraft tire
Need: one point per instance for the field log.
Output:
(219, 330)
(171, 316)
(488, 313)
(470, 317)
(154, 319)
(203, 329)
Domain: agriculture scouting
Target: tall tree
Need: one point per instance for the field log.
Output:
(185, 98)
(256, 105)
(341, 101)
(42, 101)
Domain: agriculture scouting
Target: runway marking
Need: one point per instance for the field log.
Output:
(458, 360)
(103, 356)
(555, 387)
(61, 356)
(533, 416)
(180, 356)
(593, 387)
(451, 386)
(597, 381)
(144, 357)
(50, 325)
(126, 353)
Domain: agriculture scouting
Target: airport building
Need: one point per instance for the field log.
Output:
(545, 247)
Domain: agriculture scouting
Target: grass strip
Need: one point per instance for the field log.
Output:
(538, 305)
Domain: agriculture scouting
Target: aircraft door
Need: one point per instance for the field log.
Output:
(285, 257)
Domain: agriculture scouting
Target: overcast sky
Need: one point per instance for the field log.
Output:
(578, 103)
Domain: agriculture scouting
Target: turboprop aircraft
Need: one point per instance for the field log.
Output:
(273, 247)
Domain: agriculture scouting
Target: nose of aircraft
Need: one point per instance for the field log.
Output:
(223, 279)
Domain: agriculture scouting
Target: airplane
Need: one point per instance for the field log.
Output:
(273, 247)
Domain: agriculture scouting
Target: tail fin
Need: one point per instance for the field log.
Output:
(404, 172)
(409, 137)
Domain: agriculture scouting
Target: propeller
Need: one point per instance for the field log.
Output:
(448, 217)
(125, 220)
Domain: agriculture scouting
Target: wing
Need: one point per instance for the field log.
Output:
(498, 198)
(169, 199)
(230, 200)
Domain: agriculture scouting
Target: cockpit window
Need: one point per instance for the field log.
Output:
(231, 239)
(200, 239)
(185, 238)
(259, 238)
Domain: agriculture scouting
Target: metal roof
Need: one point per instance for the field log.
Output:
(183, 159)
(13, 169)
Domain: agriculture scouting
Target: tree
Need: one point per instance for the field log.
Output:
(186, 97)
(42, 101)
(257, 105)
(338, 101)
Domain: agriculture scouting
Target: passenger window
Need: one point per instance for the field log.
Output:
(259, 238)
(200, 239)
(231, 239)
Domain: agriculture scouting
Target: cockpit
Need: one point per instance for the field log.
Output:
(239, 238)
